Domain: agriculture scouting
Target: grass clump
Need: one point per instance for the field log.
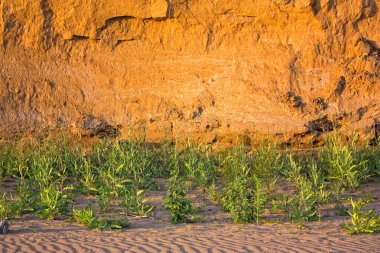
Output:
(237, 199)
(199, 166)
(309, 191)
(267, 162)
(303, 205)
(242, 196)
(342, 162)
(8, 207)
(52, 203)
(87, 217)
(244, 199)
(177, 203)
(135, 203)
(363, 221)
(110, 223)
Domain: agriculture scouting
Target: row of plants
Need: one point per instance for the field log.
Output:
(49, 175)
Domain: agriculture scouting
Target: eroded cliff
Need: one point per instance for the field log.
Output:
(208, 69)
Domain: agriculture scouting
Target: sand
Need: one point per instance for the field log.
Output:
(216, 234)
(53, 236)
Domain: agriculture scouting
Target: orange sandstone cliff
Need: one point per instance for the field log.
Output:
(207, 69)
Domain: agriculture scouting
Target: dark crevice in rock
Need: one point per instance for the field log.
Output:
(293, 78)
(209, 39)
(49, 37)
(158, 19)
(176, 114)
(170, 12)
(315, 130)
(281, 10)
(110, 21)
(95, 127)
(119, 42)
(315, 6)
(294, 101)
(369, 8)
(341, 86)
(78, 37)
(319, 105)
(361, 111)
(197, 113)
(374, 48)
(11, 26)
(321, 125)
(375, 141)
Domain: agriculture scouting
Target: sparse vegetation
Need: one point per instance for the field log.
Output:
(118, 175)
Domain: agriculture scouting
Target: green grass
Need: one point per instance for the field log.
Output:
(343, 163)
(135, 203)
(178, 205)
(362, 220)
(87, 217)
(49, 174)
(6, 207)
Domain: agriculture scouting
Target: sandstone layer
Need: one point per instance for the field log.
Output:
(207, 69)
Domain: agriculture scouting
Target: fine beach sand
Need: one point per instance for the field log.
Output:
(33, 236)
(216, 234)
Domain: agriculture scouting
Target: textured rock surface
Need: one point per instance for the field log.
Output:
(203, 68)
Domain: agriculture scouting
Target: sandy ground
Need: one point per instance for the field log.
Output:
(216, 234)
(36, 236)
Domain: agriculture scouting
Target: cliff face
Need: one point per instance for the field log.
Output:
(201, 68)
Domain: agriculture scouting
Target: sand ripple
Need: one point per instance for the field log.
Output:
(211, 238)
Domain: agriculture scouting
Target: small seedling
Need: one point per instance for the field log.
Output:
(280, 204)
(109, 224)
(87, 218)
(103, 201)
